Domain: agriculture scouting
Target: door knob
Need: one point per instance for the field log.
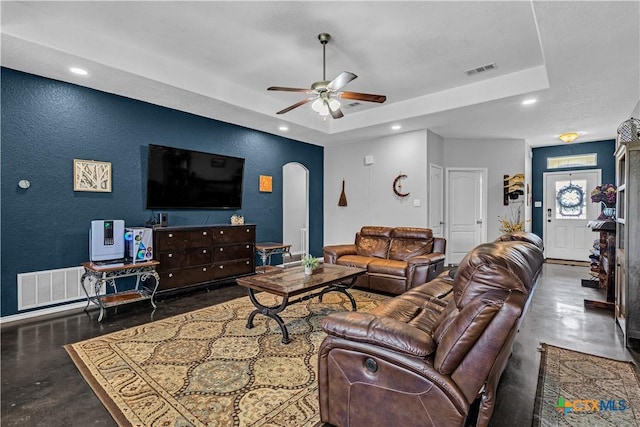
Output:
(479, 221)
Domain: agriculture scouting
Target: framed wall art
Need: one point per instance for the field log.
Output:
(266, 183)
(91, 175)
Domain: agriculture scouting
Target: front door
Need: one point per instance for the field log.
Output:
(466, 211)
(567, 210)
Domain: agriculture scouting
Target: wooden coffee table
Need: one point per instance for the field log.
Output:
(289, 282)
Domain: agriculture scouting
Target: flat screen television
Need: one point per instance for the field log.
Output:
(187, 179)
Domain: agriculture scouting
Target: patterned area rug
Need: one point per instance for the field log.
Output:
(205, 368)
(578, 389)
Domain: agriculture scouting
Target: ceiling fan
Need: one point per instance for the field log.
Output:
(324, 93)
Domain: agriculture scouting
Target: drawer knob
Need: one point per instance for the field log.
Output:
(204, 233)
(247, 262)
(204, 251)
(221, 249)
(248, 230)
(204, 268)
(247, 246)
(170, 255)
(170, 234)
(221, 267)
(170, 274)
(221, 231)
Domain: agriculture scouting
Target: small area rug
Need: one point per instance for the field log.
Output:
(205, 368)
(579, 389)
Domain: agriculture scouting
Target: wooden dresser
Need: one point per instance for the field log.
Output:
(193, 255)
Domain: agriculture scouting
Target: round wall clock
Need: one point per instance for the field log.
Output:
(397, 186)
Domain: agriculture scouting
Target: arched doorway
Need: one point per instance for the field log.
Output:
(295, 209)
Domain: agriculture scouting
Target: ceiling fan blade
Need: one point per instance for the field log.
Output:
(337, 113)
(296, 105)
(290, 89)
(340, 81)
(363, 97)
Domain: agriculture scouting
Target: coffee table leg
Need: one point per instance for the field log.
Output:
(343, 289)
(271, 312)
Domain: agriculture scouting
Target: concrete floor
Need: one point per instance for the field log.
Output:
(42, 387)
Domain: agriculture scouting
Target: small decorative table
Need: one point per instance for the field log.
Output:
(97, 275)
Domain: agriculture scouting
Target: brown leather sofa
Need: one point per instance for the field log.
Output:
(425, 357)
(396, 259)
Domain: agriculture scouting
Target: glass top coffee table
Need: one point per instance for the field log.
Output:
(290, 282)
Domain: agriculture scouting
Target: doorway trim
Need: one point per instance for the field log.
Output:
(304, 231)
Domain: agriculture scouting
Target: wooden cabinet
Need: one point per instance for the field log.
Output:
(627, 304)
(198, 255)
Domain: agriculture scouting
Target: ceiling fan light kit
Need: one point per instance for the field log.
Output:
(325, 93)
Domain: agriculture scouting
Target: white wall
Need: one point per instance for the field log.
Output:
(499, 157)
(370, 197)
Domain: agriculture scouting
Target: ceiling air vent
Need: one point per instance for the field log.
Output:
(352, 104)
(481, 69)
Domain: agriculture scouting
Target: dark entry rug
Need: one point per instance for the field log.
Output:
(205, 368)
(579, 389)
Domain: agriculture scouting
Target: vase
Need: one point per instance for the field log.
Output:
(608, 211)
(308, 271)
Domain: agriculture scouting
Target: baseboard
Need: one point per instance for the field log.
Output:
(43, 312)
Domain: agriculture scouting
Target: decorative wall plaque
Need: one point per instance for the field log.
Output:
(91, 175)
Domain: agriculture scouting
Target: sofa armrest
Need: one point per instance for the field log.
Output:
(332, 253)
(379, 331)
(426, 259)
(424, 268)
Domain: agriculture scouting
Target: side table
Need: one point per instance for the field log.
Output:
(98, 274)
(266, 249)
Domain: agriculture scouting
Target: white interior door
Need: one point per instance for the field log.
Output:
(466, 211)
(436, 200)
(567, 210)
(295, 207)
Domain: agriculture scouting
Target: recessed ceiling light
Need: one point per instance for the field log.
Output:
(283, 128)
(396, 127)
(79, 71)
(529, 101)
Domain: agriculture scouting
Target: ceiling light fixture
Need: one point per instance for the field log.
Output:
(529, 101)
(569, 137)
(283, 128)
(396, 127)
(79, 71)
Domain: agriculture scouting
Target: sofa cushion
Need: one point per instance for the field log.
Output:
(389, 267)
(408, 242)
(373, 241)
(354, 261)
(457, 333)
(510, 266)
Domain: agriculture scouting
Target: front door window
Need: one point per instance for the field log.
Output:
(571, 202)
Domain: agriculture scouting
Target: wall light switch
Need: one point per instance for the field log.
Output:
(537, 204)
(368, 160)
(416, 202)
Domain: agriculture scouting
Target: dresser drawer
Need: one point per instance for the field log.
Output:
(231, 252)
(181, 239)
(184, 258)
(185, 276)
(233, 268)
(234, 234)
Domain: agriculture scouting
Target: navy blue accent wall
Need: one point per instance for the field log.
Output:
(606, 162)
(48, 123)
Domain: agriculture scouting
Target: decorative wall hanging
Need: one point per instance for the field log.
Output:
(513, 187)
(91, 175)
(343, 197)
(397, 186)
(266, 184)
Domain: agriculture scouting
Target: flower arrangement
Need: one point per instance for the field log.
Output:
(512, 223)
(237, 219)
(605, 193)
(310, 263)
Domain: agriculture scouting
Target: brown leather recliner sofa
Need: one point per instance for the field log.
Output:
(423, 358)
(396, 259)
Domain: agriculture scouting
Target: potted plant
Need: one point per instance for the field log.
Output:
(310, 263)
